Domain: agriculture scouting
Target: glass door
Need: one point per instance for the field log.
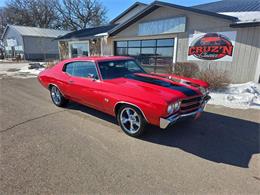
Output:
(80, 48)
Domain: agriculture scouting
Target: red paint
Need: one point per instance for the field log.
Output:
(153, 100)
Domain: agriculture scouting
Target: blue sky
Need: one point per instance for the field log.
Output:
(115, 7)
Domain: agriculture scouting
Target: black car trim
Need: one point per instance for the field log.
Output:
(185, 90)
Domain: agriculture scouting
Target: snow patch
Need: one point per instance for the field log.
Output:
(34, 72)
(20, 72)
(250, 16)
(241, 96)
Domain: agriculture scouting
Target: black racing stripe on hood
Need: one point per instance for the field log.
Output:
(185, 90)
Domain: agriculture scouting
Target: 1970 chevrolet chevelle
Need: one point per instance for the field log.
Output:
(120, 87)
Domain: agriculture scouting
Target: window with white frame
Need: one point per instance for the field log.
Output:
(80, 48)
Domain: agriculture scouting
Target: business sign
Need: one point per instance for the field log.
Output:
(214, 46)
(11, 42)
(18, 48)
(8, 48)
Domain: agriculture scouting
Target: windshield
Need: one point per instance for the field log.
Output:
(119, 68)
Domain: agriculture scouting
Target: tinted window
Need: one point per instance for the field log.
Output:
(152, 52)
(121, 43)
(82, 69)
(118, 68)
(134, 43)
(165, 51)
(149, 43)
(148, 50)
(69, 68)
(165, 42)
(133, 51)
(121, 51)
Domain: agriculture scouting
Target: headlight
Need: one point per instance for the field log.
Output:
(170, 109)
(177, 105)
(173, 107)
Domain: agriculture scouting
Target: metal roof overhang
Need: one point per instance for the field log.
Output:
(155, 5)
(245, 24)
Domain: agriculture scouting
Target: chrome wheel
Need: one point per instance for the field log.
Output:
(56, 95)
(130, 120)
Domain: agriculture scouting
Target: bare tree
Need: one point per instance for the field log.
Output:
(38, 13)
(3, 21)
(59, 14)
(80, 14)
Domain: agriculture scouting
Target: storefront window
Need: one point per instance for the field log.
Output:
(165, 42)
(149, 43)
(155, 55)
(133, 51)
(79, 49)
(164, 51)
(148, 50)
(121, 51)
(134, 43)
(121, 43)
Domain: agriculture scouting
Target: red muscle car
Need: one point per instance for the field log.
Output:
(120, 87)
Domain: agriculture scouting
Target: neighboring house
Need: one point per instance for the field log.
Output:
(94, 41)
(31, 43)
(86, 42)
(223, 35)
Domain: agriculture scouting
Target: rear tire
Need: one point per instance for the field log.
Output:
(131, 120)
(57, 98)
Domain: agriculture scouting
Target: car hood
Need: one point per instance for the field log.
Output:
(154, 87)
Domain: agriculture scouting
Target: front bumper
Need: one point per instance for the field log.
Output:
(165, 122)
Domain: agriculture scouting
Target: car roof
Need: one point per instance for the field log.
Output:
(99, 58)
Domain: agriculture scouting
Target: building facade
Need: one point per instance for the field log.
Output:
(85, 42)
(223, 36)
(31, 43)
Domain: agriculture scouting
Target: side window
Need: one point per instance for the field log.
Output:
(131, 65)
(69, 68)
(82, 69)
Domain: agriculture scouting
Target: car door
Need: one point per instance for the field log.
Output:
(84, 84)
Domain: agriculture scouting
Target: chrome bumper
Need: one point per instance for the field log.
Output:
(165, 122)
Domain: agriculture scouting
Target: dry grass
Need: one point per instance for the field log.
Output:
(51, 63)
(186, 69)
(215, 78)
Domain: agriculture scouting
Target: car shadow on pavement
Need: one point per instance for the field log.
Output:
(101, 115)
(213, 137)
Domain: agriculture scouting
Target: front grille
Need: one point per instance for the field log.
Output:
(190, 104)
(195, 99)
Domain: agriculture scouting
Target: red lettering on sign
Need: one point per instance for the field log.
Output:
(215, 49)
(228, 50)
(211, 46)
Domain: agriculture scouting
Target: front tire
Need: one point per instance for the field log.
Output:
(131, 120)
(57, 98)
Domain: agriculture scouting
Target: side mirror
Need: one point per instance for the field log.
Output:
(92, 76)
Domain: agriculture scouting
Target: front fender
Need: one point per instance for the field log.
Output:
(151, 111)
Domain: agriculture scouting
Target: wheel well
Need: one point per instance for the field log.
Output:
(50, 86)
(119, 105)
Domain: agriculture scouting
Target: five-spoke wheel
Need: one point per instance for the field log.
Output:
(131, 120)
(56, 96)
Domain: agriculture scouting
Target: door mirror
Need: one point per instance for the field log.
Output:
(92, 76)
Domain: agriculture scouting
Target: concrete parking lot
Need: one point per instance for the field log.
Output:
(45, 149)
